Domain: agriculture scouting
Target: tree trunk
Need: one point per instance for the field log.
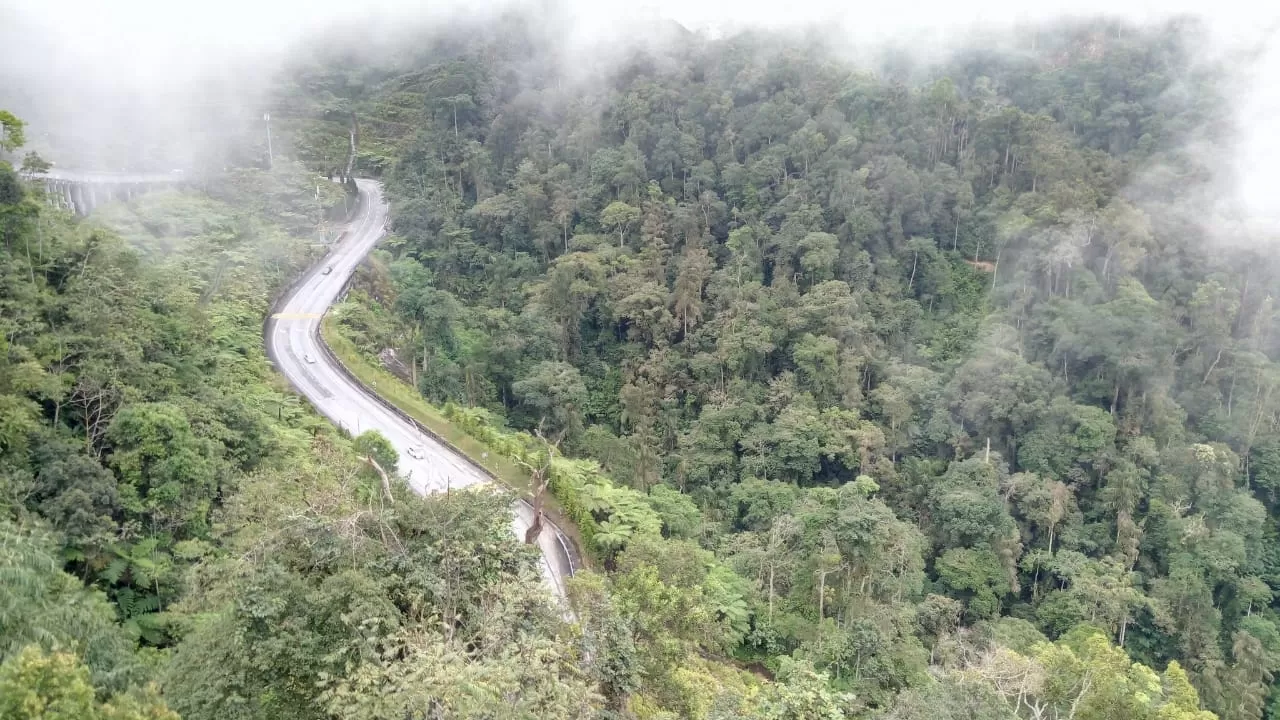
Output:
(1230, 395)
(539, 493)
(386, 481)
(995, 270)
(822, 594)
(1209, 372)
(771, 592)
(531, 535)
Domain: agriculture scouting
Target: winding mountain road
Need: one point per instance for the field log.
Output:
(294, 345)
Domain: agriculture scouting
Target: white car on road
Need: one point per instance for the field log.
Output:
(416, 453)
(310, 360)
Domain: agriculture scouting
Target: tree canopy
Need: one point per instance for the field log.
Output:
(898, 390)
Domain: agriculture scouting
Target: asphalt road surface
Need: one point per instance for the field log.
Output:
(294, 343)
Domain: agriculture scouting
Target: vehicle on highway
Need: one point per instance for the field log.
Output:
(327, 269)
(310, 360)
(416, 453)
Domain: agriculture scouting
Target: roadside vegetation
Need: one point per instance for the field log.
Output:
(180, 534)
(931, 381)
(404, 396)
(914, 393)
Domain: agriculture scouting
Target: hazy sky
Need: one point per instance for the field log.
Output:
(193, 33)
(153, 48)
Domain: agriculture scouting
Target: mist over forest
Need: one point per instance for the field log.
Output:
(913, 364)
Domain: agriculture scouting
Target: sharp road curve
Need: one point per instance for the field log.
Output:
(293, 341)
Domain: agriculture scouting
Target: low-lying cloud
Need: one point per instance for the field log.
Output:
(108, 68)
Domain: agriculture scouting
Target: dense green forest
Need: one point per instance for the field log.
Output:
(941, 361)
(180, 535)
(904, 390)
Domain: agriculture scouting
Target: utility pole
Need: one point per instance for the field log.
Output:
(324, 235)
(270, 156)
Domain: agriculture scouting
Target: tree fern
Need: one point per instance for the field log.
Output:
(41, 604)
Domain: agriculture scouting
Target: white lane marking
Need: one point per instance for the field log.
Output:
(440, 469)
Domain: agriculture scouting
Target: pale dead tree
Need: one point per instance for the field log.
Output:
(356, 526)
(901, 554)
(539, 467)
(1019, 680)
(830, 562)
(97, 402)
(1180, 507)
(1065, 251)
(783, 536)
(325, 511)
(386, 481)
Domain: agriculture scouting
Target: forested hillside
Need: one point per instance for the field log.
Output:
(180, 536)
(944, 373)
(899, 389)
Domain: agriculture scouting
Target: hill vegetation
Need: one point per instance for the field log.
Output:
(911, 392)
(944, 371)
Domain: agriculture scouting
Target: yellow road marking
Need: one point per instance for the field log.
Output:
(296, 316)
